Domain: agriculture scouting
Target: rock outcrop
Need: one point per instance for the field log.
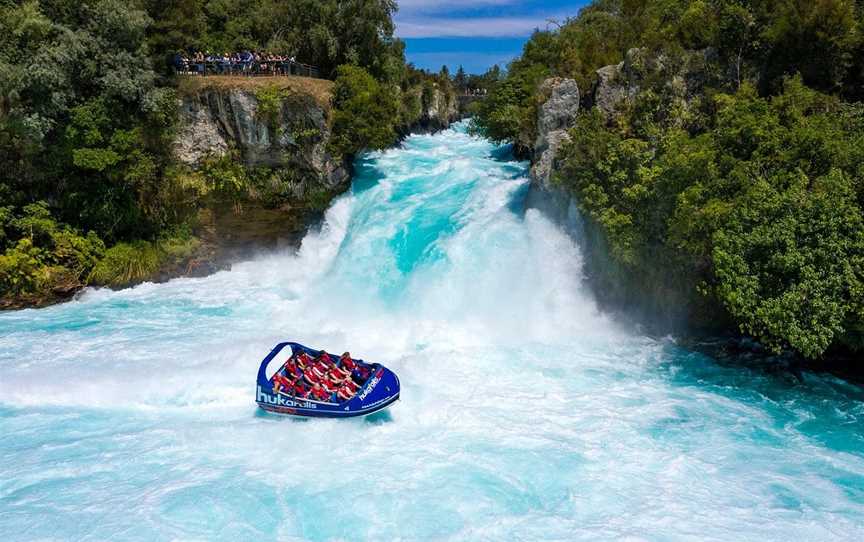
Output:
(683, 77)
(434, 110)
(440, 111)
(215, 122)
(554, 118)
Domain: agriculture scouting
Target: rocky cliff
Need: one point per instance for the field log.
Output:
(435, 110)
(277, 127)
(682, 78)
(554, 118)
(439, 111)
(282, 125)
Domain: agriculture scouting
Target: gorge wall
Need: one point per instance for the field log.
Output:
(278, 126)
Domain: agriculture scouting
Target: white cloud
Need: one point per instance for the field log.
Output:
(446, 5)
(498, 27)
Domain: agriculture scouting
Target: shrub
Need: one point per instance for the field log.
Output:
(44, 252)
(21, 269)
(270, 106)
(139, 261)
(126, 263)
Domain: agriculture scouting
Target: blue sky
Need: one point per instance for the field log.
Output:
(475, 33)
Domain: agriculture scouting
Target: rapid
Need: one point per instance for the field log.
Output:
(526, 413)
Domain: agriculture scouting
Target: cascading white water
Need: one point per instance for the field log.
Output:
(525, 413)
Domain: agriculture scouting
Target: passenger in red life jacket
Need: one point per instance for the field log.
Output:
(291, 368)
(280, 382)
(329, 388)
(335, 376)
(345, 392)
(318, 393)
(325, 359)
(347, 364)
(303, 360)
(310, 376)
(320, 370)
(351, 385)
(298, 389)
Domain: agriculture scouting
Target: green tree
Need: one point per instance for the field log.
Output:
(460, 80)
(364, 112)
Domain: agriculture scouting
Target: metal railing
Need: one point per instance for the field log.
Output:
(253, 68)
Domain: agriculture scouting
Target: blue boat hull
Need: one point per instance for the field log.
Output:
(377, 393)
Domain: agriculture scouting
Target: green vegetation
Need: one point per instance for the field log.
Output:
(129, 263)
(42, 255)
(735, 163)
(270, 105)
(368, 114)
(365, 112)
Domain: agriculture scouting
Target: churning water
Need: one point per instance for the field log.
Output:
(525, 413)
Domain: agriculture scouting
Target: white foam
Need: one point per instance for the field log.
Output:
(525, 413)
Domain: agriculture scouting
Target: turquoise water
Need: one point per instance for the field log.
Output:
(526, 414)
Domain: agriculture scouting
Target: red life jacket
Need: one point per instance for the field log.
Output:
(320, 394)
(299, 389)
(345, 393)
(281, 380)
(351, 385)
(348, 363)
(310, 376)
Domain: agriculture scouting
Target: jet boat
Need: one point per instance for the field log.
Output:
(376, 391)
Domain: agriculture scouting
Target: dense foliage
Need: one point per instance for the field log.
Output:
(736, 161)
(369, 114)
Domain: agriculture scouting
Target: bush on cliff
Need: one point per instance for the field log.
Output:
(365, 112)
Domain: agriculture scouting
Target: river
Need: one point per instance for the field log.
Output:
(526, 414)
